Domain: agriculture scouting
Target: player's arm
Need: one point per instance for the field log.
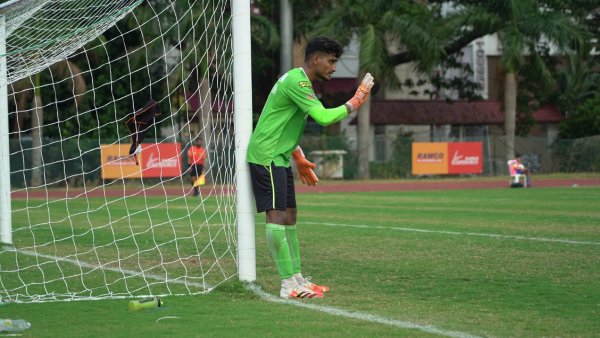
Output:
(303, 95)
(326, 117)
(305, 167)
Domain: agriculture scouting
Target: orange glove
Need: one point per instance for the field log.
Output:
(362, 93)
(305, 168)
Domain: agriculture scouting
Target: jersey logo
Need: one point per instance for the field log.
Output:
(305, 84)
(311, 96)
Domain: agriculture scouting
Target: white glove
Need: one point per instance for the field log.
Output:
(362, 93)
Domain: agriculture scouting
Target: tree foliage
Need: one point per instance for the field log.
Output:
(162, 49)
(584, 121)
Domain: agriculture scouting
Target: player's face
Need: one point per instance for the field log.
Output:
(325, 66)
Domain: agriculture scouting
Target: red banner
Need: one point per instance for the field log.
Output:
(161, 160)
(465, 158)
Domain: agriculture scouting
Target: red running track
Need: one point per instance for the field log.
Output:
(326, 187)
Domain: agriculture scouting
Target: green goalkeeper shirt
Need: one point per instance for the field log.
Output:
(283, 118)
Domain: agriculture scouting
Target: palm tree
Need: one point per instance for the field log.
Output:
(576, 83)
(426, 37)
(524, 27)
(377, 25)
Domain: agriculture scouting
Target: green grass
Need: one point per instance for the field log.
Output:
(495, 262)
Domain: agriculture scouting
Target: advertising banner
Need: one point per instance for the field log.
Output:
(440, 158)
(429, 158)
(161, 160)
(465, 158)
(156, 160)
(116, 162)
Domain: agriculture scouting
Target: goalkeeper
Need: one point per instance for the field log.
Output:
(275, 141)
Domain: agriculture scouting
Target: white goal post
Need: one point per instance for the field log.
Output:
(83, 83)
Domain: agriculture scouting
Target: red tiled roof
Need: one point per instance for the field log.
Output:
(422, 112)
(547, 114)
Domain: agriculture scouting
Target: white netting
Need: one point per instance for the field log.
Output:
(87, 222)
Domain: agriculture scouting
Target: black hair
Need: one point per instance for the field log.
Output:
(324, 45)
(517, 155)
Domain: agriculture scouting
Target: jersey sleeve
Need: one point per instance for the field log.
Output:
(302, 94)
(326, 116)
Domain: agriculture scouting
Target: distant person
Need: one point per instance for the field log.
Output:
(196, 156)
(273, 143)
(520, 169)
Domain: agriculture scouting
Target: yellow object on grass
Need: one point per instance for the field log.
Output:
(200, 181)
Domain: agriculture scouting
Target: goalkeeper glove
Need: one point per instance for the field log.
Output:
(305, 168)
(362, 93)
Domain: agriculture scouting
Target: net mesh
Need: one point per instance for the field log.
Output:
(87, 222)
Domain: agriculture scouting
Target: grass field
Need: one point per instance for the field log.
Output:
(459, 263)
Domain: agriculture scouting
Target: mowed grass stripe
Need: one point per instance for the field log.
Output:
(456, 233)
(575, 218)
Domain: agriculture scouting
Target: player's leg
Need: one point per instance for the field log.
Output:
(194, 177)
(292, 237)
(269, 184)
(291, 214)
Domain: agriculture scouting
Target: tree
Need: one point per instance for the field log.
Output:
(379, 26)
(576, 82)
(525, 28)
(32, 88)
(426, 36)
(583, 121)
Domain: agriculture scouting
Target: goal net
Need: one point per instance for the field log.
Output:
(86, 221)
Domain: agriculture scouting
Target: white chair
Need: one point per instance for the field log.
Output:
(515, 177)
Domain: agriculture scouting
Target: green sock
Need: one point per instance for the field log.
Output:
(280, 251)
(292, 238)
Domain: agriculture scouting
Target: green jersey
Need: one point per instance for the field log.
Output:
(283, 118)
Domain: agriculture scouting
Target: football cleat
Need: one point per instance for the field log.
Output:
(298, 292)
(320, 289)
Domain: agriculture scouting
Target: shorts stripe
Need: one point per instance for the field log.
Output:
(272, 183)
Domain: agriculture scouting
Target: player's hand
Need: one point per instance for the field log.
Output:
(305, 168)
(362, 93)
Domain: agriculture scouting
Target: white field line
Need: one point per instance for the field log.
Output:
(271, 298)
(358, 315)
(132, 273)
(456, 233)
